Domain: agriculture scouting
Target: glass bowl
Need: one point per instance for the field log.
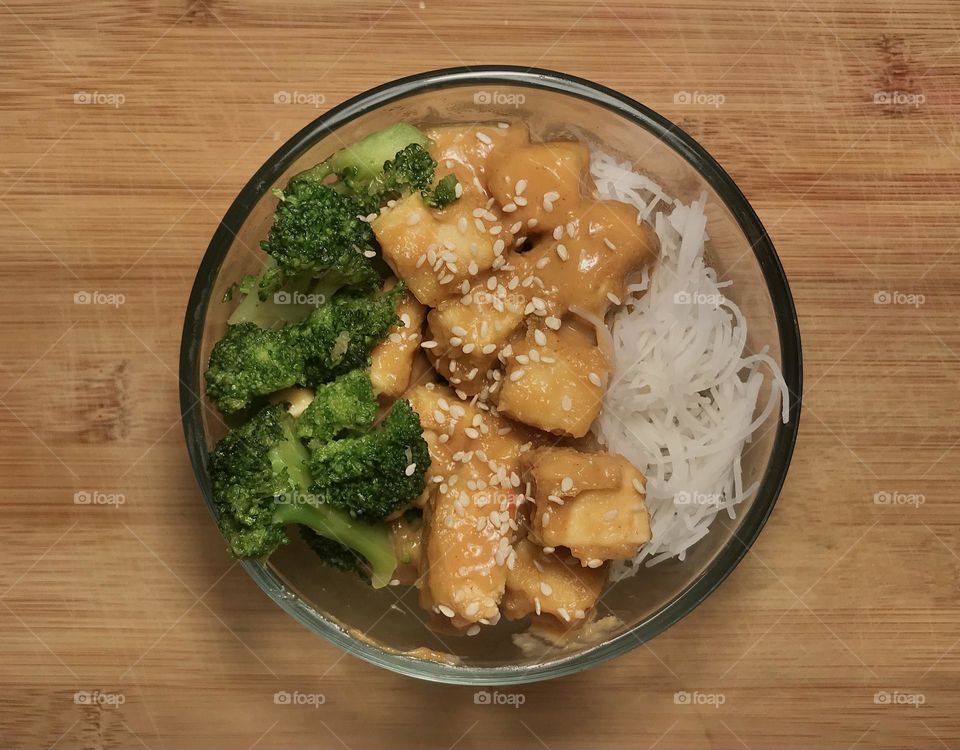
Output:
(386, 627)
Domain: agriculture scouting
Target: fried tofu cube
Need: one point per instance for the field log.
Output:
(540, 182)
(391, 361)
(466, 544)
(466, 150)
(435, 252)
(553, 584)
(580, 511)
(470, 332)
(555, 379)
(585, 262)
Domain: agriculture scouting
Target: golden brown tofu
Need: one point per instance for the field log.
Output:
(541, 182)
(470, 332)
(586, 260)
(581, 511)
(553, 584)
(436, 252)
(465, 150)
(391, 361)
(555, 379)
(466, 547)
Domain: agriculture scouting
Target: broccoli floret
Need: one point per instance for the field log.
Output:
(250, 361)
(443, 194)
(347, 405)
(333, 553)
(317, 230)
(377, 474)
(339, 336)
(260, 482)
(334, 339)
(364, 160)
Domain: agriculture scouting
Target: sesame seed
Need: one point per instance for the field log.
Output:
(439, 416)
(516, 375)
(553, 323)
(471, 609)
(467, 348)
(613, 298)
(459, 331)
(509, 208)
(533, 222)
(638, 486)
(557, 233)
(520, 187)
(489, 348)
(540, 337)
(608, 243)
(446, 610)
(492, 283)
(484, 138)
(503, 125)
(495, 229)
(413, 218)
(498, 247)
(542, 263)
(462, 225)
(595, 563)
(428, 344)
(536, 604)
(410, 469)
(562, 611)
(595, 379)
(566, 484)
(421, 260)
(369, 254)
(516, 227)
(566, 403)
(481, 227)
(545, 520)
(562, 251)
(458, 190)
(546, 588)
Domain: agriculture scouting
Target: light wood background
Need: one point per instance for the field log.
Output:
(840, 599)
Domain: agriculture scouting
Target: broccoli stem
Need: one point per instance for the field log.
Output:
(370, 540)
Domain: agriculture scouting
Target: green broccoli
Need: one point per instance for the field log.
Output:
(377, 474)
(250, 361)
(443, 194)
(339, 336)
(260, 481)
(347, 405)
(333, 553)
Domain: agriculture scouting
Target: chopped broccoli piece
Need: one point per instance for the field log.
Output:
(333, 553)
(260, 478)
(377, 474)
(317, 230)
(364, 160)
(347, 405)
(339, 336)
(250, 361)
(443, 194)
(334, 339)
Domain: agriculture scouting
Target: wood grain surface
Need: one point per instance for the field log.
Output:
(839, 120)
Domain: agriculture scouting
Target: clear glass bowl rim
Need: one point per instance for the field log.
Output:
(682, 143)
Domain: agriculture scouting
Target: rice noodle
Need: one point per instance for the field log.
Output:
(684, 393)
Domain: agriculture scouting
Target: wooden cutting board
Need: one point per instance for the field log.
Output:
(127, 128)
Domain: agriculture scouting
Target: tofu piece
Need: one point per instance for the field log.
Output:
(466, 544)
(579, 511)
(542, 182)
(552, 584)
(436, 251)
(599, 244)
(391, 361)
(556, 385)
(471, 331)
(466, 150)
